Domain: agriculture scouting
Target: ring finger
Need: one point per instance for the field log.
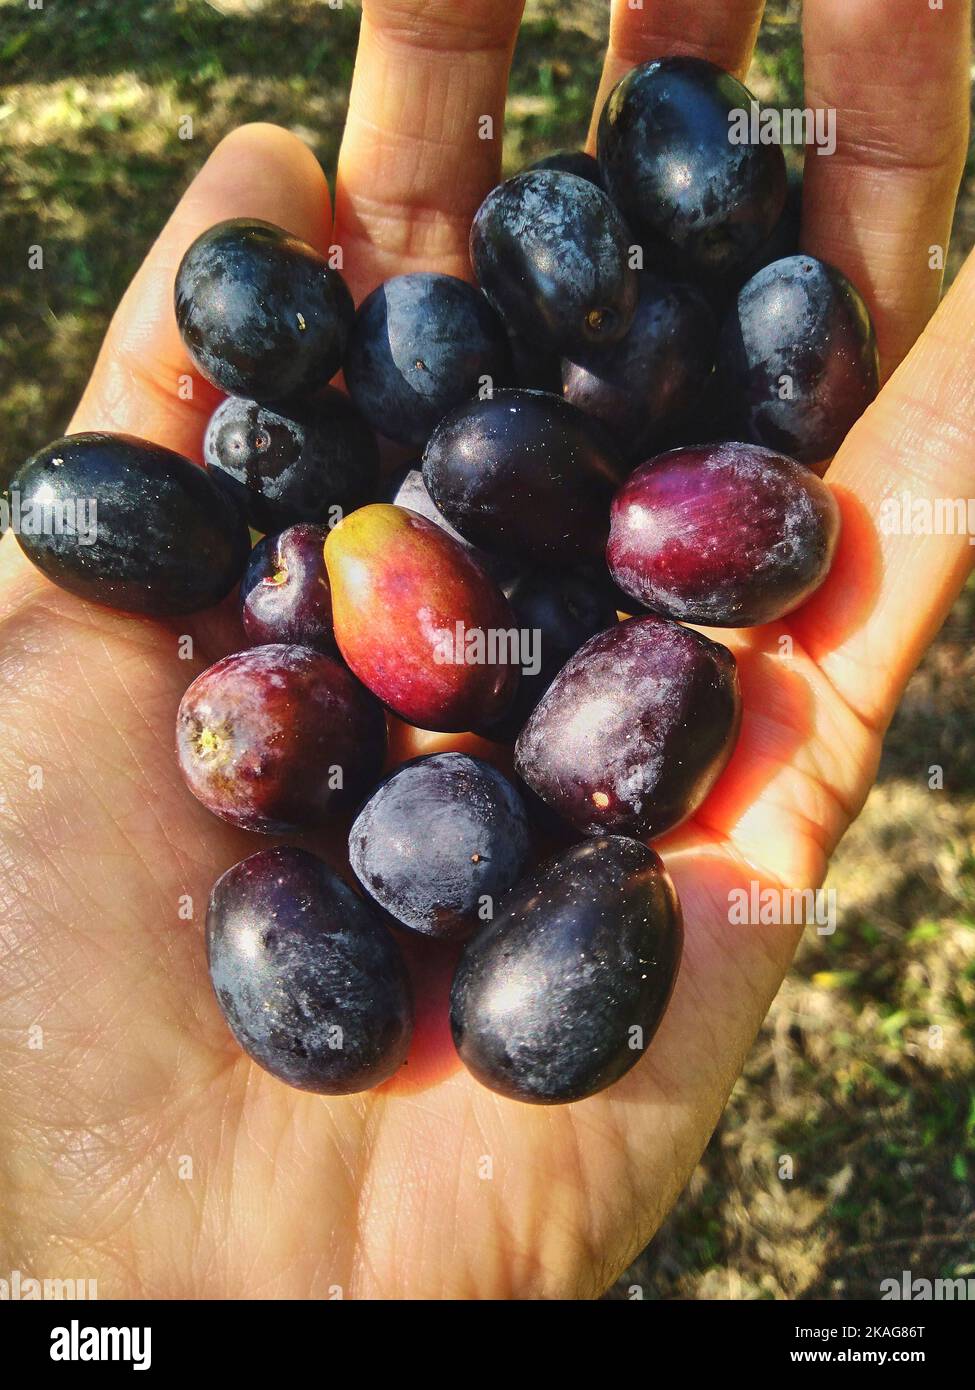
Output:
(880, 207)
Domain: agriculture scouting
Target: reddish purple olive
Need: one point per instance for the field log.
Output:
(730, 535)
(278, 738)
(635, 729)
(285, 594)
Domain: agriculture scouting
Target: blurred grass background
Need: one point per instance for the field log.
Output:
(864, 1074)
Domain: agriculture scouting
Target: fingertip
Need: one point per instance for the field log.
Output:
(266, 172)
(258, 171)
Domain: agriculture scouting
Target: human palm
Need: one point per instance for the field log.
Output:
(138, 1145)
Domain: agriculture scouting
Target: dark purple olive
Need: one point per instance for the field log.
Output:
(782, 241)
(701, 201)
(261, 313)
(524, 474)
(313, 461)
(552, 254)
(421, 345)
(646, 384)
(798, 358)
(563, 992)
(729, 535)
(440, 842)
(285, 594)
(278, 738)
(569, 162)
(124, 522)
(635, 729)
(558, 610)
(406, 488)
(310, 981)
(535, 368)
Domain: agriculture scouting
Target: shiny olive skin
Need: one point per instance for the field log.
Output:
(799, 323)
(166, 539)
(635, 730)
(309, 461)
(524, 474)
(700, 203)
(729, 535)
(260, 312)
(285, 594)
(569, 162)
(308, 978)
(563, 992)
(552, 254)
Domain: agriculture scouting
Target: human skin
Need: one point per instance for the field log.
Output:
(433, 1187)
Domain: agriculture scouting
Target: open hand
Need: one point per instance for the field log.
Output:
(138, 1145)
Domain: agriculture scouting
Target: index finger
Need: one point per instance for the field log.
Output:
(138, 383)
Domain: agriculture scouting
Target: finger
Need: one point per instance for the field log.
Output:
(139, 382)
(422, 143)
(905, 479)
(723, 31)
(897, 76)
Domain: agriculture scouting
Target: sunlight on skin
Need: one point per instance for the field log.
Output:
(384, 1194)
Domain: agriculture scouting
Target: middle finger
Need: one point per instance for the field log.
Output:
(723, 31)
